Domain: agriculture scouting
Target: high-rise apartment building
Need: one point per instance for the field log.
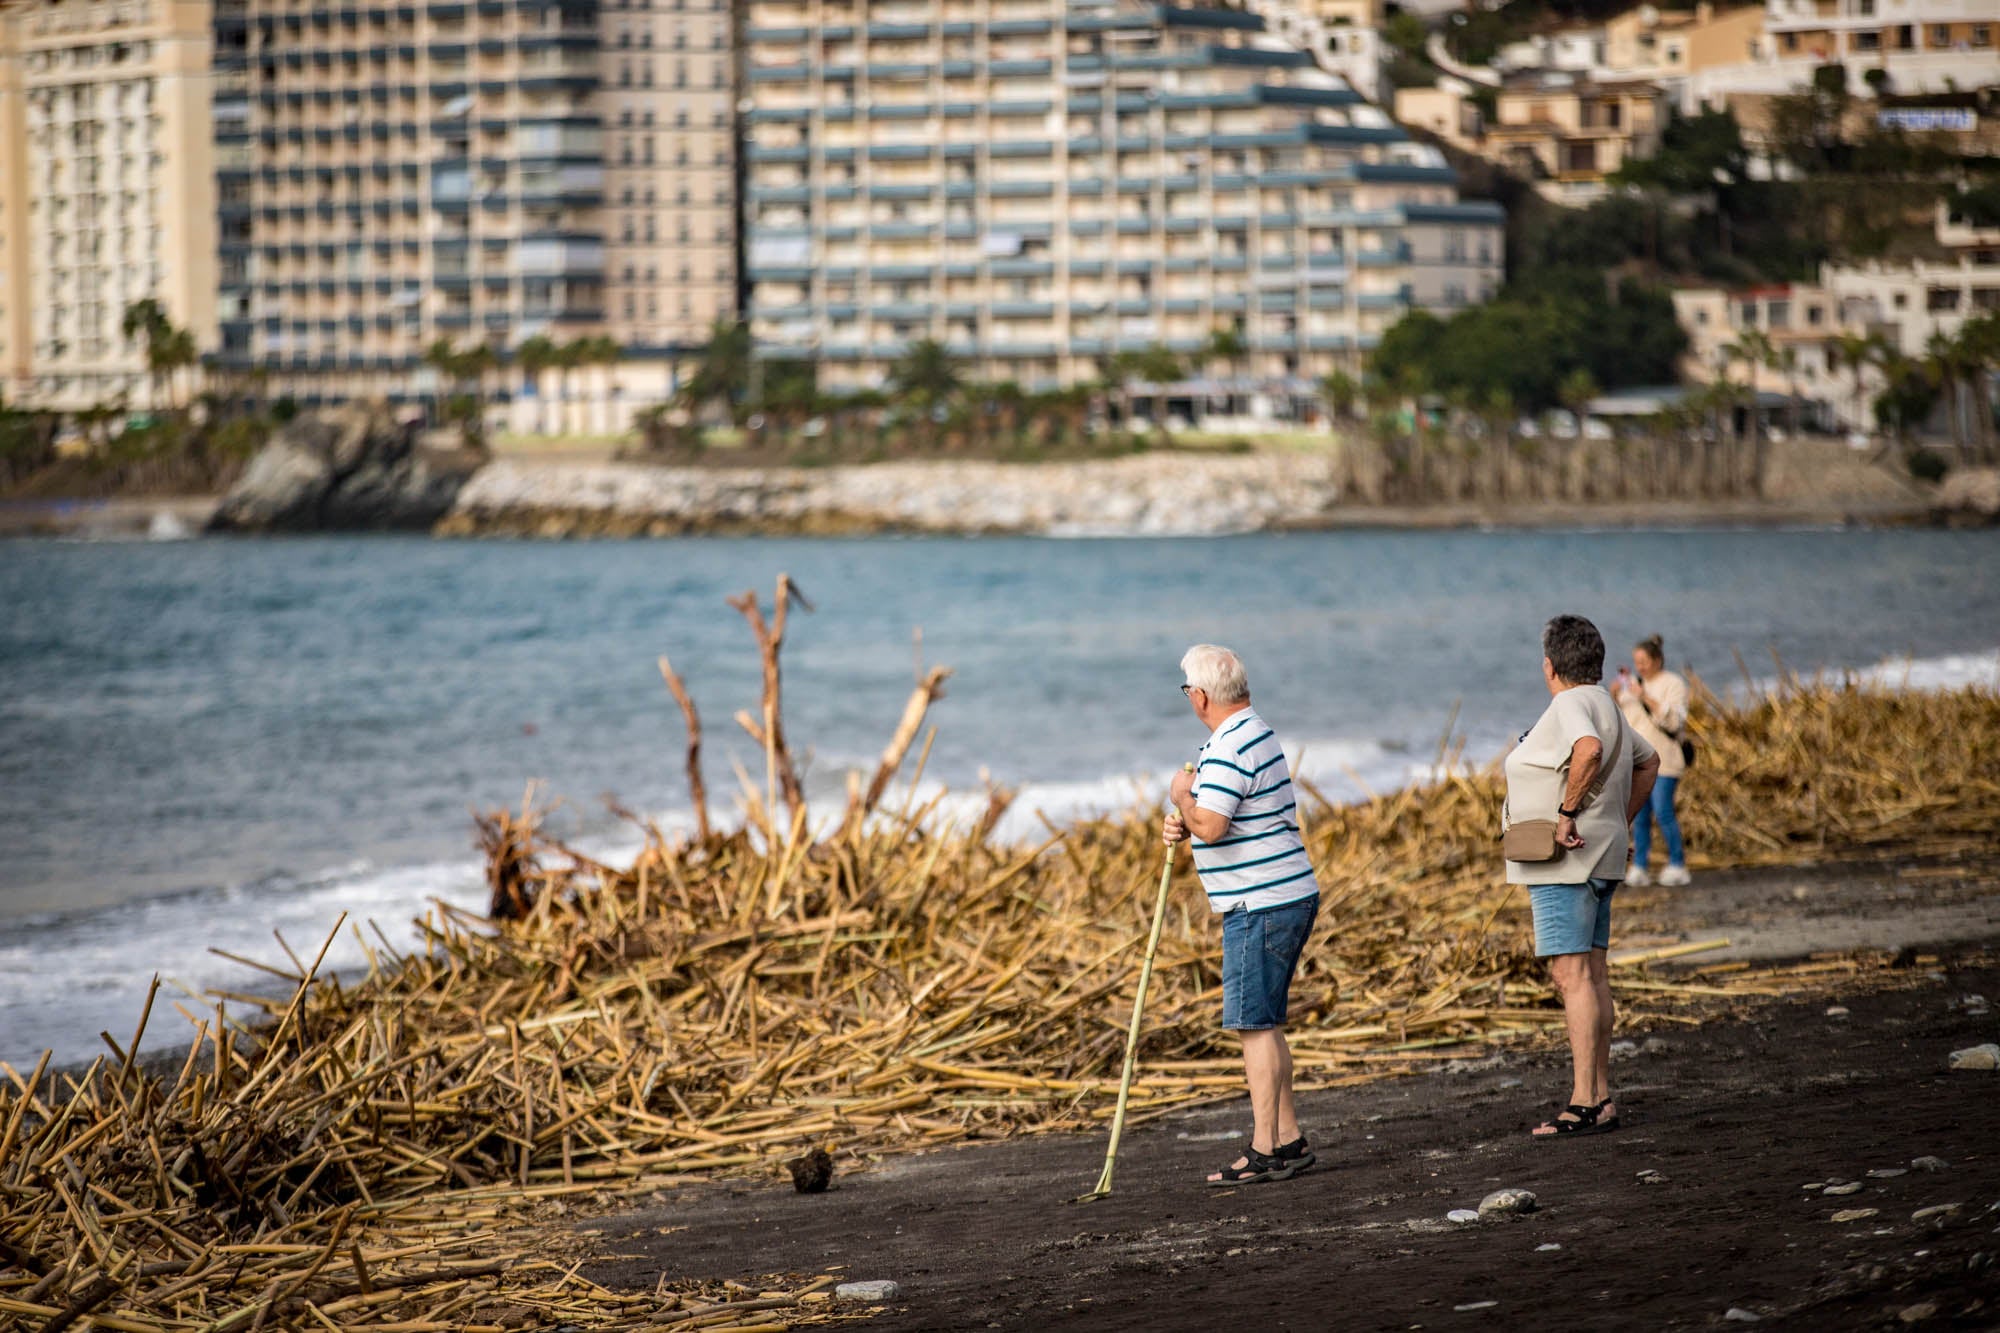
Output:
(1040, 184)
(107, 192)
(484, 172)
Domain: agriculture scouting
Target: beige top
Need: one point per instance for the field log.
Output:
(1668, 693)
(1538, 768)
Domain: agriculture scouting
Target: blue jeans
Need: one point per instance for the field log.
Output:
(1659, 808)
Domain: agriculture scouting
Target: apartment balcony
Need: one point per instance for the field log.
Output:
(1387, 258)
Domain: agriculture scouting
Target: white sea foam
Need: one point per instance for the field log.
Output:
(1955, 671)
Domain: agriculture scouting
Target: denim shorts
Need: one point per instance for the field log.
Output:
(1259, 952)
(1572, 918)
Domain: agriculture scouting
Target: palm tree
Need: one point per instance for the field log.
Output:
(1340, 392)
(1955, 371)
(1855, 352)
(1979, 346)
(169, 350)
(1227, 344)
(1156, 365)
(724, 370)
(926, 377)
(536, 356)
(603, 352)
(464, 374)
(1754, 348)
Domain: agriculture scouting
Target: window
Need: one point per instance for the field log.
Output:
(1982, 34)
(1940, 35)
(1867, 41)
(1942, 298)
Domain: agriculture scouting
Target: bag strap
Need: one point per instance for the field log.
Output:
(1605, 769)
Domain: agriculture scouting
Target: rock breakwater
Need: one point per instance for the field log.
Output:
(1159, 494)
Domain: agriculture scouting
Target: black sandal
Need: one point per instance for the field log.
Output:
(1586, 1121)
(1257, 1167)
(1297, 1153)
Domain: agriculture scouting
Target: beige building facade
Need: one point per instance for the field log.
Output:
(1903, 306)
(1040, 186)
(1647, 42)
(483, 172)
(1921, 46)
(107, 193)
(1568, 132)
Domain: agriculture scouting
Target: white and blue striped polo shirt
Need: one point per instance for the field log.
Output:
(1259, 861)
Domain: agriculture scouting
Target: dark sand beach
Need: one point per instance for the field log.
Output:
(1736, 1116)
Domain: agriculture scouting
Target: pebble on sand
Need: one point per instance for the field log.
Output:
(1736, 1314)
(1461, 1215)
(1621, 1050)
(867, 1291)
(1546, 1246)
(1854, 1214)
(1888, 1172)
(1977, 1057)
(1502, 1203)
(1474, 1305)
(1937, 1212)
(1929, 1164)
(1836, 1011)
(1651, 1177)
(1912, 1313)
(1851, 1187)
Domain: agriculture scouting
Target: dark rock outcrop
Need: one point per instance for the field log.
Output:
(347, 468)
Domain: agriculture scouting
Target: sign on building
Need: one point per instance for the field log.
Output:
(1959, 119)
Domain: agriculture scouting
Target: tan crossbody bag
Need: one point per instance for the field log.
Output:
(1533, 841)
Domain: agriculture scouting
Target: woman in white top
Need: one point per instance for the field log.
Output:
(1656, 704)
(1582, 767)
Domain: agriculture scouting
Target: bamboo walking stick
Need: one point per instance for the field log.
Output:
(1103, 1189)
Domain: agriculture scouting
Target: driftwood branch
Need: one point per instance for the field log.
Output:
(697, 790)
(928, 691)
(770, 641)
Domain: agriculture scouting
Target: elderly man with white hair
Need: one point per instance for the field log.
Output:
(1240, 809)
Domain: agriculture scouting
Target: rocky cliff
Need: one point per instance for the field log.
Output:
(347, 468)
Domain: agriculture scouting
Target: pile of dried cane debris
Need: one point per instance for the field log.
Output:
(367, 1154)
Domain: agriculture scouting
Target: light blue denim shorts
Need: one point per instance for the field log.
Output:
(1260, 950)
(1572, 918)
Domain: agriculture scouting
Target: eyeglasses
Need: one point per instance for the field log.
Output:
(1188, 689)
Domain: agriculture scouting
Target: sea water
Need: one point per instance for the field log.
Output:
(201, 742)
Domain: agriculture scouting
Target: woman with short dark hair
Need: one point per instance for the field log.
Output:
(1656, 704)
(1573, 784)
